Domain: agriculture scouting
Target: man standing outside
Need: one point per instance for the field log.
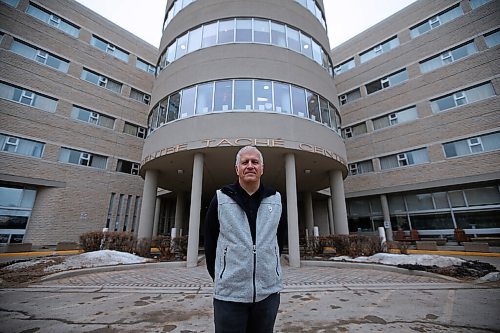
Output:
(242, 228)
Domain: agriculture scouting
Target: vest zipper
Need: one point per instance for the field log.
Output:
(276, 253)
(254, 269)
(224, 267)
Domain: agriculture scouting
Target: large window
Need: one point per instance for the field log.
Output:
(350, 96)
(492, 39)
(128, 167)
(53, 20)
(92, 117)
(101, 81)
(174, 9)
(379, 49)
(473, 145)
(72, 156)
(313, 7)
(388, 81)
(345, 66)
(246, 30)
(12, 3)
(395, 118)
(244, 95)
(354, 130)
(477, 3)
(109, 48)
(39, 55)
(134, 130)
(462, 97)
(16, 203)
(21, 146)
(413, 157)
(358, 168)
(437, 20)
(448, 57)
(140, 96)
(27, 97)
(145, 66)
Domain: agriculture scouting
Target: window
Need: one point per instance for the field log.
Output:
(395, 118)
(204, 98)
(12, 3)
(477, 3)
(226, 31)
(177, 6)
(174, 102)
(243, 30)
(92, 117)
(109, 48)
(278, 34)
(243, 95)
(134, 130)
(313, 106)
(128, 167)
(195, 39)
(53, 20)
(263, 95)
(39, 55)
(261, 31)
(182, 46)
(483, 143)
(359, 168)
(314, 9)
(293, 39)
(145, 66)
(299, 105)
(21, 146)
(379, 49)
(463, 97)
(354, 130)
(72, 156)
(209, 35)
(435, 21)
(350, 96)
(27, 97)
(16, 204)
(140, 96)
(413, 157)
(448, 57)
(101, 80)
(282, 99)
(344, 67)
(492, 39)
(187, 102)
(223, 95)
(386, 82)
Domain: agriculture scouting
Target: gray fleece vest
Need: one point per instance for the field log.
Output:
(244, 273)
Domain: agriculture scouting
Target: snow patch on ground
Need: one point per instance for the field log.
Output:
(401, 259)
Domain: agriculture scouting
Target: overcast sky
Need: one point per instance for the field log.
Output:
(345, 18)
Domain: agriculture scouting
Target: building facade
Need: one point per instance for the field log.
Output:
(74, 95)
(421, 119)
(231, 74)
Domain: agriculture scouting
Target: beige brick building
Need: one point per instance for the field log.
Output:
(82, 115)
(421, 119)
(70, 123)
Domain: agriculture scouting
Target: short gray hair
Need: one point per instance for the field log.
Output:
(245, 149)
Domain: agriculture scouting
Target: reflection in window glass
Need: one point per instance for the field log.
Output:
(492, 39)
(204, 98)
(282, 97)
(278, 35)
(325, 112)
(187, 104)
(293, 39)
(223, 95)
(243, 30)
(263, 95)
(181, 46)
(226, 31)
(173, 107)
(209, 35)
(313, 106)
(243, 94)
(195, 39)
(261, 31)
(299, 102)
(305, 45)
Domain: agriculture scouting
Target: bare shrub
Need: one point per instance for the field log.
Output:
(143, 248)
(91, 241)
(345, 245)
(120, 241)
(163, 243)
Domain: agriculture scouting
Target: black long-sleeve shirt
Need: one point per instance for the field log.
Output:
(250, 205)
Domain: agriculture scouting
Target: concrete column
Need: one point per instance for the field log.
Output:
(387, 217)
(339, 208)
(179, 212)
(157, 216)
(194, 211)
(330, 216)
(308, 209)
(145, 229)
(292, 212)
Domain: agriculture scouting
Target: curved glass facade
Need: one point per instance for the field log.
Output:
(246, 30)
(176, 8)
(313, 7)
(244, 95)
